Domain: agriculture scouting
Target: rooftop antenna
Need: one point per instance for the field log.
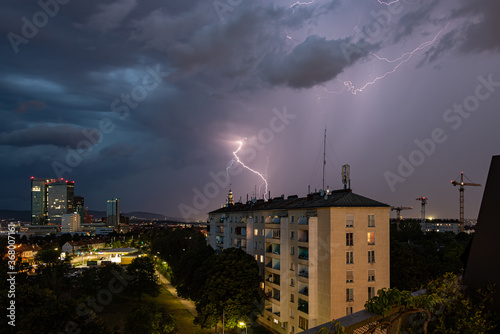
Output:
(346, 176)
(324, 159)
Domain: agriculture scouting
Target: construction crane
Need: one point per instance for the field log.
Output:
(423, 201)
(398, 210)
(462, 184)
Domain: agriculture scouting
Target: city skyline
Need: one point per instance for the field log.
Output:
(155, 102)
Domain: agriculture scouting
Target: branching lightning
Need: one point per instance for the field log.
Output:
(237, 159)
(400, 61)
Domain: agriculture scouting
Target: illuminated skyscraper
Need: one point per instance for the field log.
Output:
(39, 200)
(79, 205)
(113, 212)
(60, 200)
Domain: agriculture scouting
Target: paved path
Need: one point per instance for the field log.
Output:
(187, 303)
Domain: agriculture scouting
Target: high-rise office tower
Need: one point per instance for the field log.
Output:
(79, 206)
(113, 212)
(39, 200)
(60, 200)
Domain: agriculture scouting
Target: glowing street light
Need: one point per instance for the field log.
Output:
(242, 324)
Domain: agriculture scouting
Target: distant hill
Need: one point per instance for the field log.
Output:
(14, 215)
(25, 215)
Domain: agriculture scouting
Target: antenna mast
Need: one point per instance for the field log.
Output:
(324, 159)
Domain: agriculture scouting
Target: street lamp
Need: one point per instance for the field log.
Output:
(242, 324)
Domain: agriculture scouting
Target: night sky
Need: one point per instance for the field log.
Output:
(147, 100)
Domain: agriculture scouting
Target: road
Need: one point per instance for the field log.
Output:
(187, 303)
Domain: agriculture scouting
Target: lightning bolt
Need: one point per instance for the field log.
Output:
(387, 3)
(405, 57)
(298, 3)
(237, 159)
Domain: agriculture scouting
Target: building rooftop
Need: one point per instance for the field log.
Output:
(337, 198)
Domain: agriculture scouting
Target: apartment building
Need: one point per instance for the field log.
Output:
(321, 257)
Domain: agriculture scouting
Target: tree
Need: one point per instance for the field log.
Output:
(231, 288)
(149, 319)
(145, 280)
(444, 308)
(190, 277)
(48, 254)
(64, 239)
(39, 310)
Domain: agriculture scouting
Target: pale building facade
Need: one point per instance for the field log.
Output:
(321, 257)
(70, 222)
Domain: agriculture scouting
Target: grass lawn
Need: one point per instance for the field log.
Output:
(115, 314)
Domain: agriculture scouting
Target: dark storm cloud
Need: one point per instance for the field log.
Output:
(110, 15)
(482, 35)
(58, 135)
(414, 20)
(474, 28)
(118, 150)
(315, 61)
(30, 105)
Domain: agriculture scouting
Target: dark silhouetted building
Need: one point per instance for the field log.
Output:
(113, 212)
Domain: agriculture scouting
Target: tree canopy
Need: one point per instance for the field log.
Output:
(445, 307)
(144, 278)
(149, 318)
(231, 288)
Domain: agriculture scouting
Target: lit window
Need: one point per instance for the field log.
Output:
(256, 232)
(371, 238)
(256, 257)
(262, 232)
(262, 259)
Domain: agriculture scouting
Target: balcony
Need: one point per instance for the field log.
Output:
(273, 264)
(303, 306)
(304, 289)
(273, 233)
(303, 253)
(303, 271)
(273, 278)
(303, 236)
